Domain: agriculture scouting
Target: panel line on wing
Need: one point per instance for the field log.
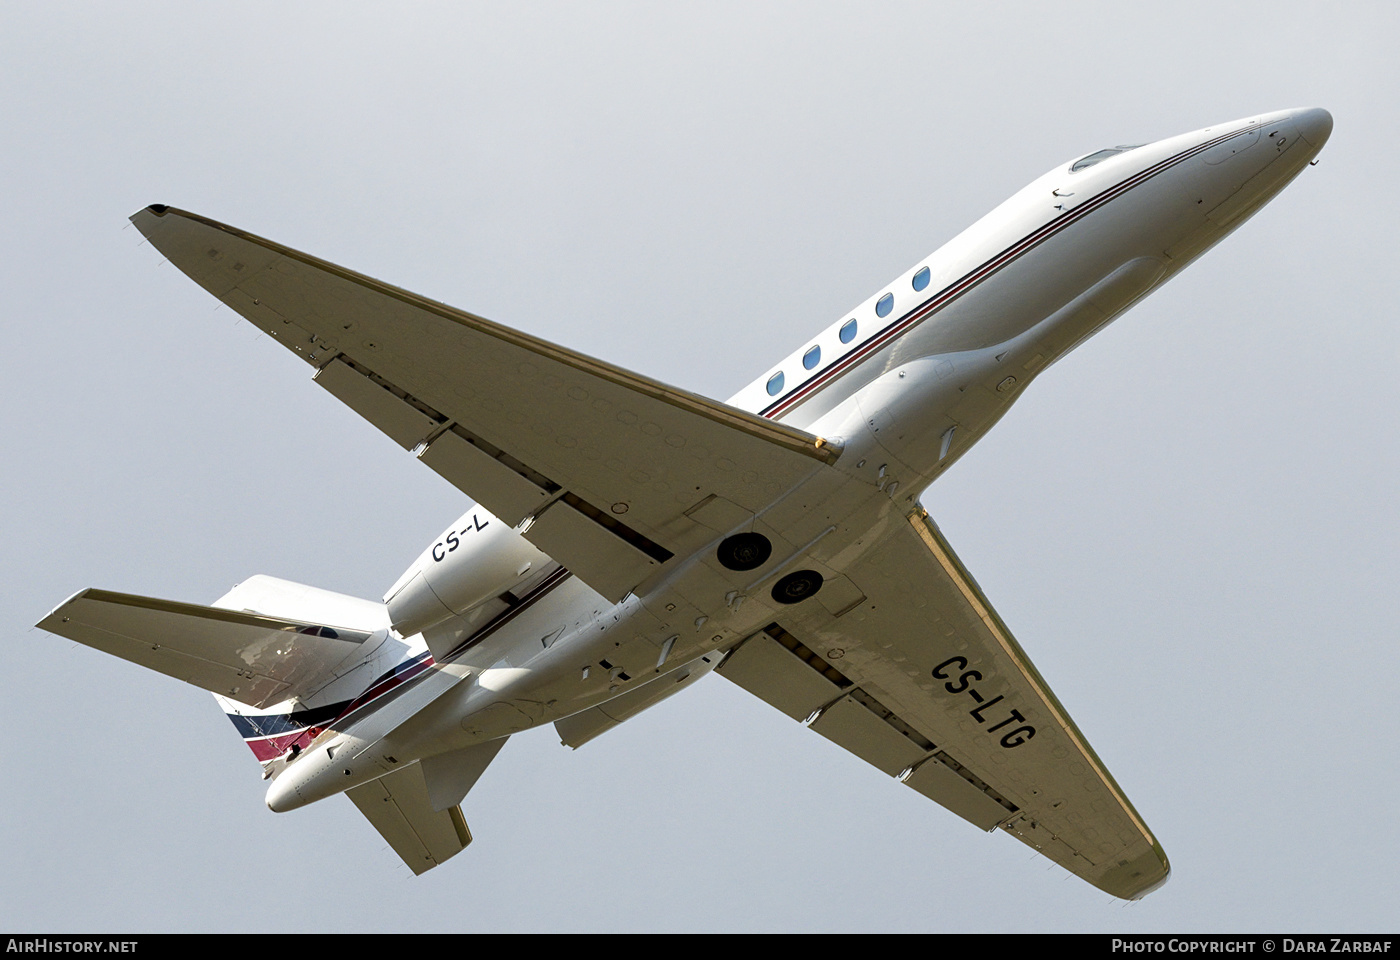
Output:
(502, 457)
(942, 757)
(445, 424)
(886, 714)
(867, 700)
(808, 657)
(615, 526)
(396, 390)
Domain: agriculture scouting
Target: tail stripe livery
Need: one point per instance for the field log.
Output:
(271, 735)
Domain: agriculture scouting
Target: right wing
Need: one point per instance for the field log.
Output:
(607, 462)
(903, 662)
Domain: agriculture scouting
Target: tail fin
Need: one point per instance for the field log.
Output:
(265, 643)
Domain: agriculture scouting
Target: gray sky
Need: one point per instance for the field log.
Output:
(1189, 523)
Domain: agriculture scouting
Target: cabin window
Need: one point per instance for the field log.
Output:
(812, 357)
(886, 304)
(848, 331)
(921, 279)
(775, 384)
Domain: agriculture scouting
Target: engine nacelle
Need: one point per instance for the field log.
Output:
(475, 560)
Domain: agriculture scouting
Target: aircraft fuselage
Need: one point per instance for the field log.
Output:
(933, 360)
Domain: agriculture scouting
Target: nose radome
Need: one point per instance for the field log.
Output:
(1314, 125)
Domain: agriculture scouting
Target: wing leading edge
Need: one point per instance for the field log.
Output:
(607, 461)
(922, 679)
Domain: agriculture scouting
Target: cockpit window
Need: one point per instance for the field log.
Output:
(1101, 156)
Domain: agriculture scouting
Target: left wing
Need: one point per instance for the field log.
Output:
(607, 462)
(903, 662)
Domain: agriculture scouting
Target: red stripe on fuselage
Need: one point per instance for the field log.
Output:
(942, 298)
(269, 748)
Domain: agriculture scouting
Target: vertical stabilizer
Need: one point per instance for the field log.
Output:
(278, 731)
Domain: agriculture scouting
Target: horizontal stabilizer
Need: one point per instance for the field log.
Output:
(449, 776)
(254, 659)
(398, 807)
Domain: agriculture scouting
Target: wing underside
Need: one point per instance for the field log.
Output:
(919, 677)
(606, 461)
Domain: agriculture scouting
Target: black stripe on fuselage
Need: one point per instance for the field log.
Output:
(506, 616)
(922, 311)
(363, 707)
(275, 724)
(390, 684)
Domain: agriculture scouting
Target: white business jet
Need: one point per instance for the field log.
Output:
(631, 537)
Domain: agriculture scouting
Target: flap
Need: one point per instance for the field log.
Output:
(254, 659)
(924, 681)
(608, 460)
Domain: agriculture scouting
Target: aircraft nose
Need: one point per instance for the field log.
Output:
(1314, 125)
